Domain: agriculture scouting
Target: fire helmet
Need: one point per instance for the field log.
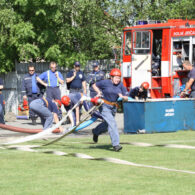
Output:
(65, 100)
(115, 72)
(145, 85)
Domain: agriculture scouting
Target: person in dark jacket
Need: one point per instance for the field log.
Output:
(93, 77)
(1, 103)
(31, 89)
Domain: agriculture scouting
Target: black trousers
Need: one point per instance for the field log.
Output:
(32, 97)
(1, 110)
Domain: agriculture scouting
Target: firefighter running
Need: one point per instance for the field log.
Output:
(110, 90)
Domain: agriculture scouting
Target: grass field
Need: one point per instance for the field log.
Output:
(39, 173)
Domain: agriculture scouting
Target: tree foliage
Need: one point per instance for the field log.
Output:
(69, 30)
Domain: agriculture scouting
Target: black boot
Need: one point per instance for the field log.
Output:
(34, 121)
(117, 148)
(95, 137)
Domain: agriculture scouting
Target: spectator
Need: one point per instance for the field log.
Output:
(52, 79)
(31, 89)
(1, 103)
(75, 80)
(191, 79)
(93, 77)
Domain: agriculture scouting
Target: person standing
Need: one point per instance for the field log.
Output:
(52, 79)
(1, 103)
(75, 79)
(47, 110)
(31, 89)
(93, 77)
(191, 79)
(110, 89)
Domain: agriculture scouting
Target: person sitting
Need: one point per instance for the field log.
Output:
(140, 93)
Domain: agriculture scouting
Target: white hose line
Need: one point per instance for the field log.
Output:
(28, 148)
(44, 132)
(85, 117)
(159, 145)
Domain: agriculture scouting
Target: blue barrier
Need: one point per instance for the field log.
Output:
(160, 115)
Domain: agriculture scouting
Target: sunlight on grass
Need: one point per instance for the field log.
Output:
(38, 173)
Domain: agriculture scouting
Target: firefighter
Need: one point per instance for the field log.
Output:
(140, 93)
(191, 82)
(1, 103)
(47, 110)
(110, 89)
(52, 79)
(93, 77)
(68, 102)
(75, 80)
(31, 89)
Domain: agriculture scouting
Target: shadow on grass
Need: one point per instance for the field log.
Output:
(104, 147)
(91, 146)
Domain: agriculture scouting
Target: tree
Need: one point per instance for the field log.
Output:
(70, 30)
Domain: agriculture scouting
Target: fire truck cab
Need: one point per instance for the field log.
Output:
(154, 53)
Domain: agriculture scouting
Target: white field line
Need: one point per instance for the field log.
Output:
(88, 157)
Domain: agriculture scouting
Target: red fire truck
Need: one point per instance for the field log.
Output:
(154, 52)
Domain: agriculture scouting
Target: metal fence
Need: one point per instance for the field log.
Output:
(12, 80)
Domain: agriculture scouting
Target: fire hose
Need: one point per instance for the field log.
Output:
(50, 130)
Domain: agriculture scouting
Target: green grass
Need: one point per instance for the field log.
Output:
(38, 173)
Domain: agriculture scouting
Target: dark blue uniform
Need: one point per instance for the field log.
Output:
(74, 98)
(32, 89)
(76, 84)
(92, 78)
(136, 93)
(1, 105)
(110, 93)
